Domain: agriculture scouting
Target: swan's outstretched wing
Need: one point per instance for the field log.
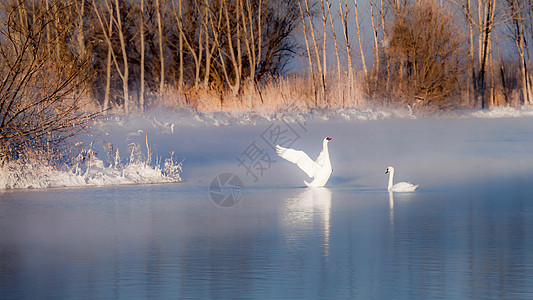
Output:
(300, 158)
(321, 159)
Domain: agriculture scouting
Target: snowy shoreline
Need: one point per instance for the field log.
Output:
(140, 166)
(37, 175)
(169, 120)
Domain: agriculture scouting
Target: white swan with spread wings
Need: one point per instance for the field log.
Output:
(320, 170)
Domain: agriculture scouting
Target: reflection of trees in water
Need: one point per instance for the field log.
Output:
(304, 211)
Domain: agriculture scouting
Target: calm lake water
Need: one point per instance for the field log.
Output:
(466, 234)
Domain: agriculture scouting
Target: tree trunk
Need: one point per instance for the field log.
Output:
(48, 30)
(362, 53)
(197, 54)
(324, 41)
(310, 61)
(337, 55)
(375, 65)
(502, 74)
(344, 22)
(235, 58)
(108, 66)
(483, 62)
(81, 31)
(470, 83)
(124, 74)
(141, 96)
(317, 54)
(208, 18)
(385, 38)
(521, 45)
(181, 50)
(107, 30)
(161, 49)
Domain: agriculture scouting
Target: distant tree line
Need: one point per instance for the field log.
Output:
(426, 53)
(138, 54)
(138, 49)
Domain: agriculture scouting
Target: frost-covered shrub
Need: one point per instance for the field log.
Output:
(86, 169)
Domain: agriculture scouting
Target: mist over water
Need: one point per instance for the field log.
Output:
(466, 233)
(435, 153)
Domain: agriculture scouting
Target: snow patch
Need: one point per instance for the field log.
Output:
(500, 112)
(168, 122)
(86, 170)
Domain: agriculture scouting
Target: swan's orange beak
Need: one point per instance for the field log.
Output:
(387, 171)
(328, 138)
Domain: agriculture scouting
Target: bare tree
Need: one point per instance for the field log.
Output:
(211, 25)
(486, 25)
(324, 41)
(161, 49)
(385, 41)
(109, 62)
(376, 62)
(234, 55)
(482, 16)
(181, 49)
(124, 74)
(40, 104)
(252, 32)
(113, 10)
(142, 34)
(518, 35)
(337, 55)
(358, 27)
(314, 40)
(194, 47)
(308, 51)
(426, 44)
(343, 10)
(80, 32)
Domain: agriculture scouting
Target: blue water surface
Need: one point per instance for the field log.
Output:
(467, 233)
(168, 241)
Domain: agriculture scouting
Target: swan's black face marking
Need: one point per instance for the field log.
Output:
(328, 138)
(387, 171)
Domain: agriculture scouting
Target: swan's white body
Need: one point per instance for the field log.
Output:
(319, 170)
(400, 186)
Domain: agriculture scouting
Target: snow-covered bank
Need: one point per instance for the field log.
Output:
(87, 170)
(167, 121)
(210, 142)
(498, 112)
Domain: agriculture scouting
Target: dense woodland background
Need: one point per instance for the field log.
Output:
(66, 61)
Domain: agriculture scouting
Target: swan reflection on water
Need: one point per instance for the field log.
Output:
(391, 207)
(400, 198)
(302, 213)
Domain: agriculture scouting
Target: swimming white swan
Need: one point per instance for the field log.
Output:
(400, 186)
(320, 169)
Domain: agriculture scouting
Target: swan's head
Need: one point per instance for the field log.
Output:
(327, 139)
(389, 170)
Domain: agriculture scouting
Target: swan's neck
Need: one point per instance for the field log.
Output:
(326, 151)
(391, 175)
